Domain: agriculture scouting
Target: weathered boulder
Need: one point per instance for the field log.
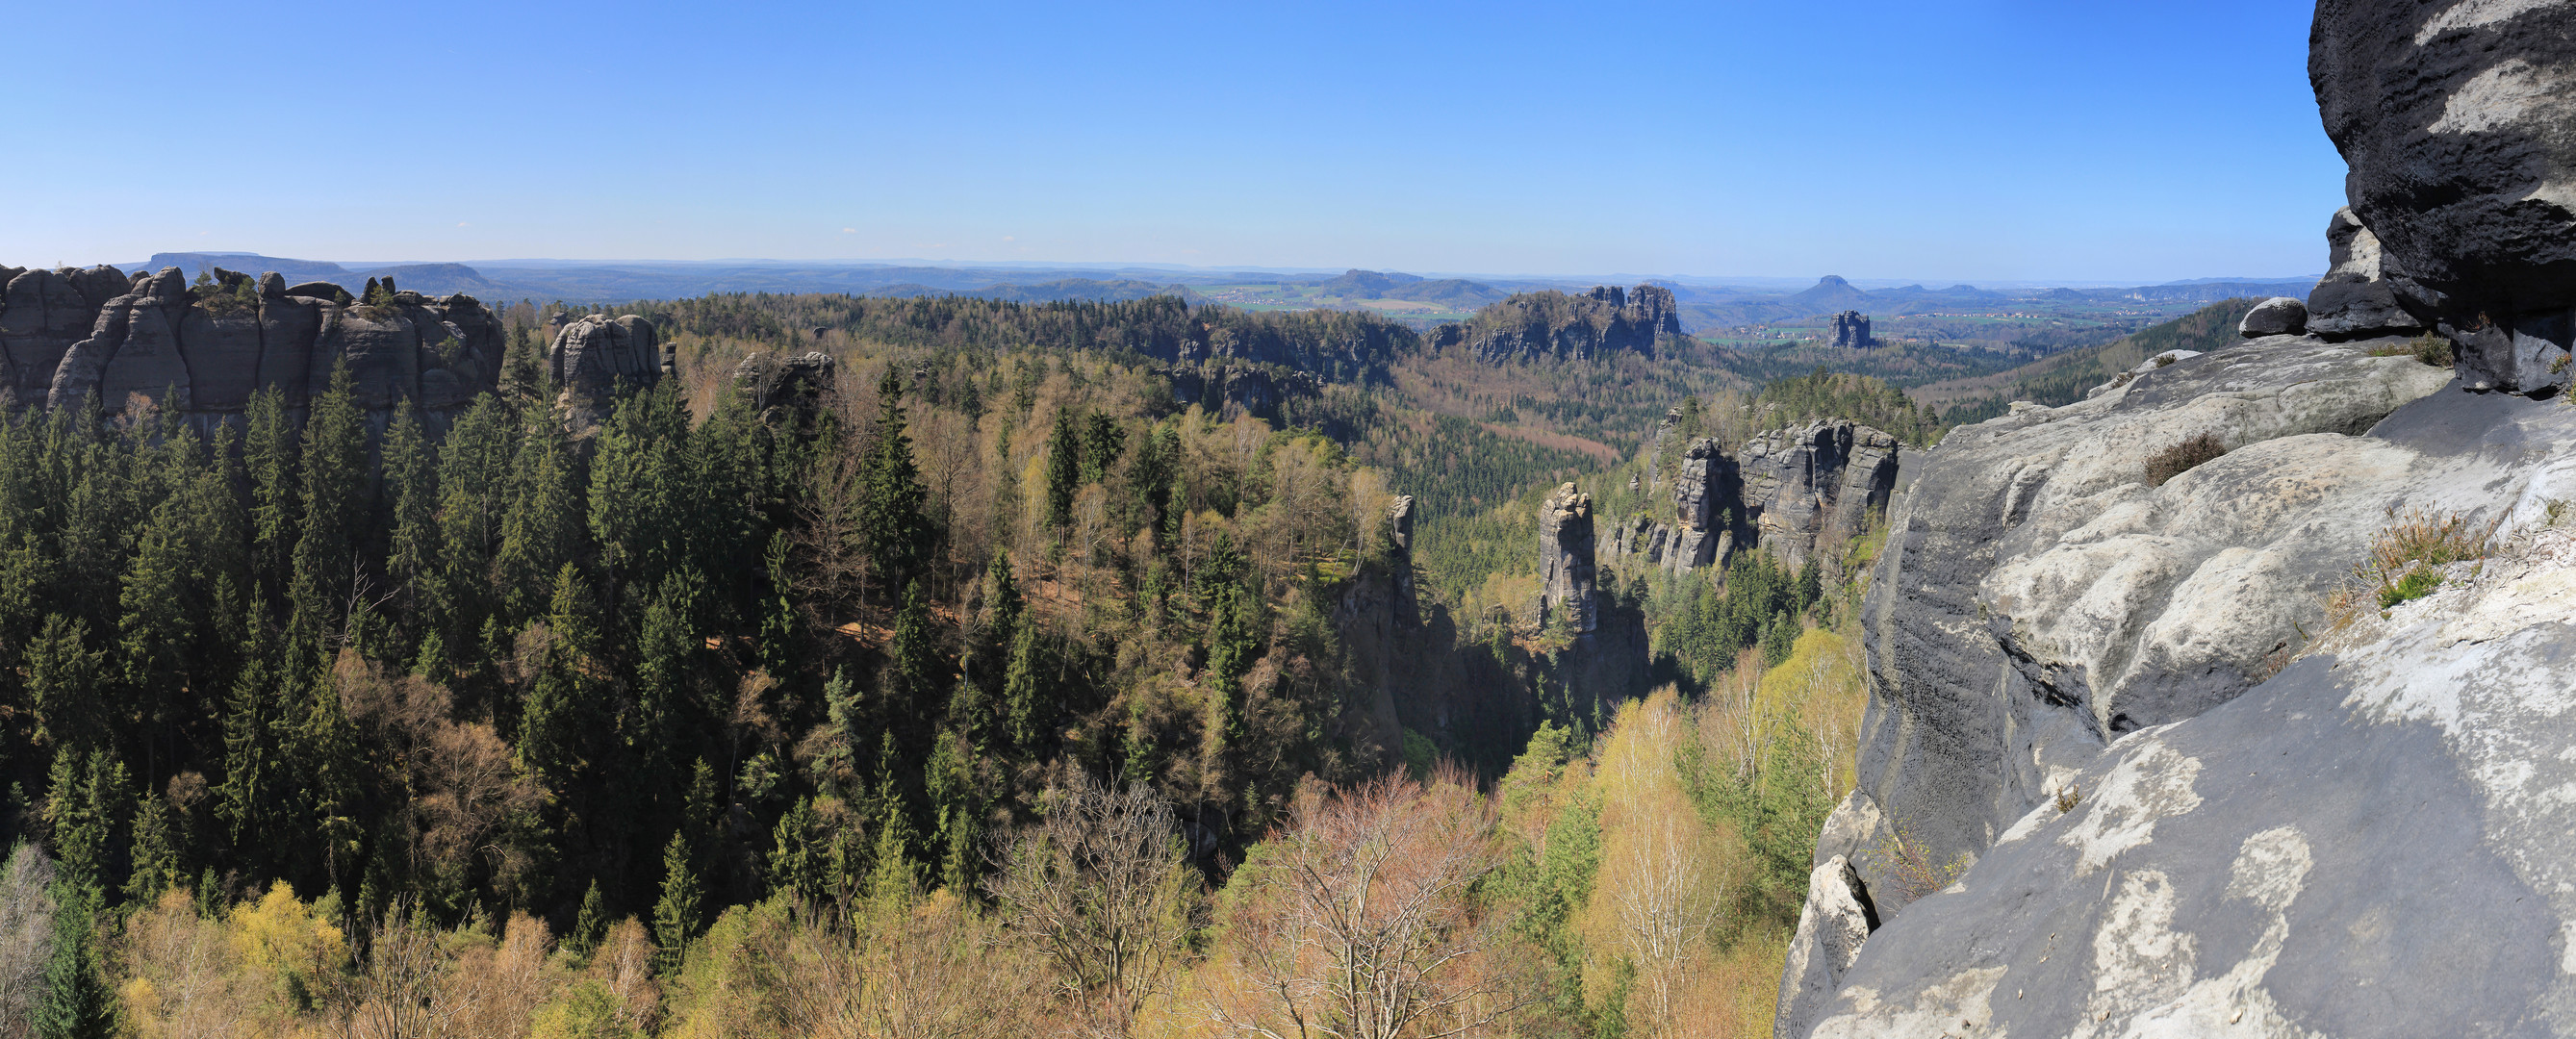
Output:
(1832, 927)
(2357, 298)
(592, 356)
(2453, 117)
(2277, 316)
(1565, 561)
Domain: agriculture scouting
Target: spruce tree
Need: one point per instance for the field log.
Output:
(85, 807)
(1102, 443)
(76, 1002)
(1024, 692)
(335, 468)
(796, 868)
(590, 925)
(412, 555)
(891, 528)
(1063, 469)
(541, 531)
(268, 457)
(156, 851)
(894, 877)
(63, 679)
(473, 482)
(675, 915)
(1233, 644)
(911, 672)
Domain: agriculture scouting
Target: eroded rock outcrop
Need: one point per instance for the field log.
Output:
(2454, 119)
(1565, 562)
(787, 384)
(593, 356)
(70, 336)
(1786, 491)
(2357, 298)
(1606, 320)
(1850, 330)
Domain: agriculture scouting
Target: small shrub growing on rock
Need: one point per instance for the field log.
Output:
(2178, 459)
(1911, 867)
(2406, 560)
(2068, 797)
(2431, 348)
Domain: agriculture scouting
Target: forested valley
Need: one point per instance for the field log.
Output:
(1068, 667)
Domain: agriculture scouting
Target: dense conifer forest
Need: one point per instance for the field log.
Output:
(999, 684)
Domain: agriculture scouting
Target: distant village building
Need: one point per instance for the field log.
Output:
(1851, 330)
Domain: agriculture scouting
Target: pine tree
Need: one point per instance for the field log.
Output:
(1063, 469)
(675, 916)
(778, 615)
(76, 1003)
(893, 533)
(558, 718)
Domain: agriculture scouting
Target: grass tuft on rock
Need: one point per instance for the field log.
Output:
(2180, 458)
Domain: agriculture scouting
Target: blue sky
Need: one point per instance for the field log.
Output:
(2003, 140)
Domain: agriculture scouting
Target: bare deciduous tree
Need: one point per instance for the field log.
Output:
(1101, 890)
(26, 936)
(1359, 923)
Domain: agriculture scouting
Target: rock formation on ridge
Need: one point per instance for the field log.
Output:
(1565, 562)
(593, 356)
(1606, 320)
(1850, 331)
(1786, 490)
(69, 336)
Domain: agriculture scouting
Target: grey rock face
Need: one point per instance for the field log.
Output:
(780, 381)
(69, 336)
(591, 357)
(1822, 480)
(1785, 491)
(2369, 844)
(1565, 559)
(2453, 117)
(2039, 603)
(2277, 316)
(42, 313)
(2357, 298)
(1606, 320)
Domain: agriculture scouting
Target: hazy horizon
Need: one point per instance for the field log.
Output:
(1991, 142)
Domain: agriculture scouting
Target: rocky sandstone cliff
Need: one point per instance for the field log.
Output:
(1606, 320)
(68, 336)
(2180, 798)
(1786, 491)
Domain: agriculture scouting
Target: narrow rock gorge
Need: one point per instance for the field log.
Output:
(2149, 752)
